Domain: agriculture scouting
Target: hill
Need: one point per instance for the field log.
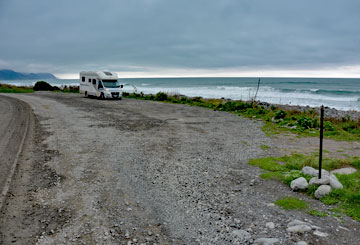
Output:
(13, 75)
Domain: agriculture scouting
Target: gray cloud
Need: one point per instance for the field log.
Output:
(68, 36)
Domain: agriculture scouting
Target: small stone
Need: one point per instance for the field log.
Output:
(241, 235)
(320, 234)
(302, 243)
(297, 222)
(266, 241)
(325, 180)
(299, 229)
(128, 209)
(270, 225)
(348, 170)
(343, 228)
(299, 184)
(334, 182)
(322, 191)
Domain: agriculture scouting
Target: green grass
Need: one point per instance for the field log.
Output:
(290, 203)
(265, 147)
(6, 88)
(288, 168)
(317, 213)
(301, 123)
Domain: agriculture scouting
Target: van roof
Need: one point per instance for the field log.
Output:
(100, 74)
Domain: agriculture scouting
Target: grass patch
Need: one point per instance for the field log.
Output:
(302, 123)
(288, 168)
(290, 203)
(317, 213)
(264, 147)
(6, 88)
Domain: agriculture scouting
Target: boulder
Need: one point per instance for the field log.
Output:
(309, 170)
(334, 182)
(325, 180)
(322, 191)
(299, 184)
(314, 172)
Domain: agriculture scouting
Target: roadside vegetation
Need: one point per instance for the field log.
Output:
(6, 88)
(302, 123)
(288, 168)
(39, 86)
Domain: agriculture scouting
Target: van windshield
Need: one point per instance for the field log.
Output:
(111, 83)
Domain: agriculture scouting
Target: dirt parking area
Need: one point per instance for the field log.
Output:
(142, 172)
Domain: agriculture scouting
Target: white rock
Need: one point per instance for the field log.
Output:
(320, 234)
(299, 184)
(309, 170)
(314, 172)
(322, 191)
(348, 170)
(334, 182)
(297, 222)
(325, 180)
(270, 225)
(324, 172)
(266, 241)
(298, 229)
(302, 243)
(241, 235)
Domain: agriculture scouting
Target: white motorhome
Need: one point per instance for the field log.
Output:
(101, 84)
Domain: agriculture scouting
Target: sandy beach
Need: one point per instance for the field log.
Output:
(144, 172)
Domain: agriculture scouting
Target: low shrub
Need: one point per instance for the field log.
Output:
(43, 86)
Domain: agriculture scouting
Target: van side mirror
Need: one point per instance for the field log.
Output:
(121, 86)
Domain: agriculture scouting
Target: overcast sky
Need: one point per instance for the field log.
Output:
(183, 37)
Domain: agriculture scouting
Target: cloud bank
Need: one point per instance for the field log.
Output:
(198, 36)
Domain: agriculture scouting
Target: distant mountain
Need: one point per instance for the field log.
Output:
(13, 75)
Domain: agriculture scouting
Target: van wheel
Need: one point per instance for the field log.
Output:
(86, 94)
(101, 97)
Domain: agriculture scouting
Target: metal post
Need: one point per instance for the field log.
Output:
(321, 137)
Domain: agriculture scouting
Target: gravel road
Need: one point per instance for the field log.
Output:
(14, 116)
(143, 172)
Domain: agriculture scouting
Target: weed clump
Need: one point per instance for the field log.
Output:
(289, 203)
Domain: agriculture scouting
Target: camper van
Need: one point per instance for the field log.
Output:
(101, 84)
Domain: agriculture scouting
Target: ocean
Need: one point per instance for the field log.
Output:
(339, 93)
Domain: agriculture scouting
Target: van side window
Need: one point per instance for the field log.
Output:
(83, 79)
(94, 81)
(89, 80)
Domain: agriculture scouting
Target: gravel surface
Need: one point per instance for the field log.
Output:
(143, 172)
(14, 116)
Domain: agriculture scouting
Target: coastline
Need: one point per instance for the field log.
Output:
(331, 113)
